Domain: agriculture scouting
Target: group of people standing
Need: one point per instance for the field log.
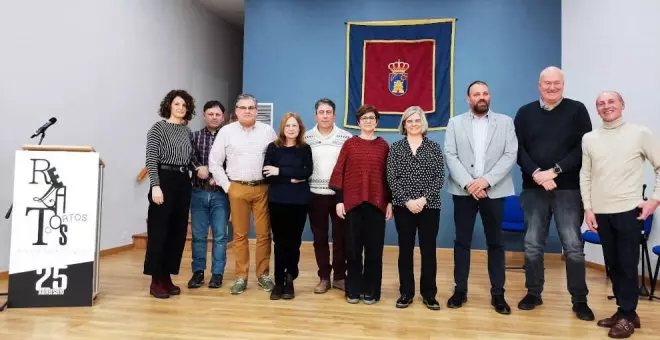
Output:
(357, 182)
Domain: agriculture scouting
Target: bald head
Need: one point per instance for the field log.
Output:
(551, 85)
(609, 93)
(551, 72)
(610, 105)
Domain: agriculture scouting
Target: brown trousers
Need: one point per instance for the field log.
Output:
(244, 199)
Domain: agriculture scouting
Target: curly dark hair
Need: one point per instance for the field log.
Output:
(166, 104)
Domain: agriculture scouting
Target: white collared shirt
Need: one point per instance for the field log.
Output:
(479, 135)
(243, 149)
(548, 107)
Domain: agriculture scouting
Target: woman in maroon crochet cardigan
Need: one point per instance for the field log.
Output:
(365, 202)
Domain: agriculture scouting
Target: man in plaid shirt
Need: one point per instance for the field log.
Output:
(209, 204)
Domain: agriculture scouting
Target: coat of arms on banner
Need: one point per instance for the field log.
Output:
(393, 65)
(398, 77)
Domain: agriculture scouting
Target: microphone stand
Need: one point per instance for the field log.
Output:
(8, 215)
(41, 139)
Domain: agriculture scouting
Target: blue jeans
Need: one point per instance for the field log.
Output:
(209, 208)
(539, 206)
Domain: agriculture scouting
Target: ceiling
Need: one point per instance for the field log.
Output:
(229, 10)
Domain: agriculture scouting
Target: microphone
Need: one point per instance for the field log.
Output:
(43, 128)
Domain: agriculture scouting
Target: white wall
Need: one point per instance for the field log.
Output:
(614, 44)
(102, 67)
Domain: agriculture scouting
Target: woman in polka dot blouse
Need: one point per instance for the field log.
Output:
(415, 174)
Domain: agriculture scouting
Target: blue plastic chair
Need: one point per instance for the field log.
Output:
(591, 237)
(654, 278)
(513, 220)
(646, 258)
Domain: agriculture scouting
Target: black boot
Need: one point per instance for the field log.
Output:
(216, 281)
(197, 280)
(289, 292)
(276, 293)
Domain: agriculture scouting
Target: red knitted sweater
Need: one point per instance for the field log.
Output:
(359, 175)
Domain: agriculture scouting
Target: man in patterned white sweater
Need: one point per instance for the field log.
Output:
(326, 140)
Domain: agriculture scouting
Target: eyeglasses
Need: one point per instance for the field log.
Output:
(368, 118)
(246, 108)
(413, 121)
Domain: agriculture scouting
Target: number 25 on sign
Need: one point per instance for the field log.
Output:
(59, 281)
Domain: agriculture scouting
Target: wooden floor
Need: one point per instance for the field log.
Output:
(124, 310)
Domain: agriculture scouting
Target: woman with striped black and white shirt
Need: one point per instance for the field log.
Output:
(168, 158)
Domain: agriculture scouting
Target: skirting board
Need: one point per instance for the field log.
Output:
(601, 268)
(115, 250)
(105, 252)
(510, 255)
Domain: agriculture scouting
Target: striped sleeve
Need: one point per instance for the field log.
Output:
(154, 137)
(195, 158)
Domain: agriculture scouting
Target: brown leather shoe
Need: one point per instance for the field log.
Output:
(611, 321)
(322, 287)
(622, 329)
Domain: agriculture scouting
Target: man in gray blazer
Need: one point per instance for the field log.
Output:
(481, 149)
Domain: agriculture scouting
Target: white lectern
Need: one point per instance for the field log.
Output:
(56, 226)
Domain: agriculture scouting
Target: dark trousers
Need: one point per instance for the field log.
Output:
(465, 213)
(167, 224)
(539, 206)
(365, 232)
(620, 236)
(322, 208)
(407, 224)
(287, 223)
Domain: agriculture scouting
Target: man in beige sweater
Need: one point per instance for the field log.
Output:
(613, 159)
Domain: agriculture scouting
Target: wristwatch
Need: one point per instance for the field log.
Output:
(556, 169)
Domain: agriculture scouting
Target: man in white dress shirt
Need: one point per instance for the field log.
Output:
(242, 144)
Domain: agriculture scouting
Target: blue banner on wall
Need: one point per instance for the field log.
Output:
(396, 64)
